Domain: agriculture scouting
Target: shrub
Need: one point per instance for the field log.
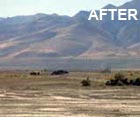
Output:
(119, 76)
(86, 82)
(119, 80)
(137, 82)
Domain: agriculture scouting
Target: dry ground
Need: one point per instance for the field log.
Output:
(22, 95)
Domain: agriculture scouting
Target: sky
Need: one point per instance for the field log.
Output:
(9, 8)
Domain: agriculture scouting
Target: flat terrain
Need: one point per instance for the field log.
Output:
(23, 95)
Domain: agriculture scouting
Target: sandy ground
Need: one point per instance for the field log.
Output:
(56, 98)
(99, 103)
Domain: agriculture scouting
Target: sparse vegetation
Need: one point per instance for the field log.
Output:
(86, 82)
(121, 80)
(119, 76)
(65, 96)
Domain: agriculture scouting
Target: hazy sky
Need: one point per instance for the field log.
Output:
(62, 7)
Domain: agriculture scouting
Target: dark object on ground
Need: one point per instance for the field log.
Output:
(59, 72)
(120, 80)
(114, 83)
(125, 81)
(35, 73)
(86, 82)
(137, 82)
(131, 82)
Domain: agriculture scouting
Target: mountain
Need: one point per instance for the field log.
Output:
(41, 37)
(110, 6)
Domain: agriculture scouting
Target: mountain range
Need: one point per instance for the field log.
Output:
(43, 37)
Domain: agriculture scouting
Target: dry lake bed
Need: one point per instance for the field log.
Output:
(23, 95)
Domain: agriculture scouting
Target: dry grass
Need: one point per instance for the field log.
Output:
(22, 95)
